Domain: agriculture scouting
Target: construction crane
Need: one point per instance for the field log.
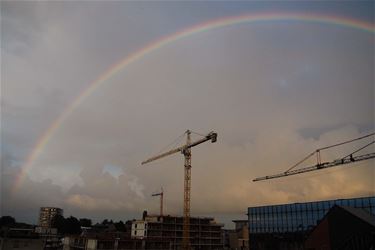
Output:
(349, 158)
(161, 200)
(186, 151)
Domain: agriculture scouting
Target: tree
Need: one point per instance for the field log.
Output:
(84, 222)
(69, 225)
(120, 226)
(58, 222)
(72, 225)
(7, 221)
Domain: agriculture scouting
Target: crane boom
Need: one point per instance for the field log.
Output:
(186, 151)
(162, 155)
(318, 166)
(211, 136)
(323, 165)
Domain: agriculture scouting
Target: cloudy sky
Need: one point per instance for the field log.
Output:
(273, 91)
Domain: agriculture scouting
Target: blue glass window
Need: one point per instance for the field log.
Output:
(314, 206)
(283, 209)
(303, 207)
(297, 216)
(366, 202)
(331, 204)
(321, 206)
(358, 202)
(316, 217)
(351, 202)
(345, 202)
(295, 208)
(299, 207)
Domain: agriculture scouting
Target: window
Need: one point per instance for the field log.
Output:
(300, 207)
(315, 206)
(372, 201)
(331, 204)
(366, 202)
(345, 202)
(358, 203)
(351, 202)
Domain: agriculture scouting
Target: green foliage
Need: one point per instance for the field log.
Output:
(70, 225)
(7, 221)
(105, 222)
(120, 226)
(59, 222)
(85, 222)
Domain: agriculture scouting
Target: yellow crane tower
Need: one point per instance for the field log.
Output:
(186, 151)
(161, 194)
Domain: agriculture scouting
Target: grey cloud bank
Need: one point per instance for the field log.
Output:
(262, 87)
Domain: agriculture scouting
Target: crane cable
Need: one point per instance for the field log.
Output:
(359, 149)
(193, 132)
(173, 143)
(177, 140)
(345, 142)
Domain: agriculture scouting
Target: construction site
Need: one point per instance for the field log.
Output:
(205, 233)
(292, 224)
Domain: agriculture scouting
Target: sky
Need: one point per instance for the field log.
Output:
(273, 91)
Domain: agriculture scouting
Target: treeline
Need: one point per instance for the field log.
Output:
(9, 221)
(69, 225)
(72, 225)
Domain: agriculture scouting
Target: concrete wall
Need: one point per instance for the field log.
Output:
(139, 229)
(91, 244)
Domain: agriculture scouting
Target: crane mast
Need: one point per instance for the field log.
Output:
(161, 194)
(186, 151)
(187, 188)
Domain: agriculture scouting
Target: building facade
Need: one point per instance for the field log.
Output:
(47, 214)
(299, 216)
(286, 225)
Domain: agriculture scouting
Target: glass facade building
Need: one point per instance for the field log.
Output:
(298, 217)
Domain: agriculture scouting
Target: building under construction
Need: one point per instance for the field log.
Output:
(167, 232)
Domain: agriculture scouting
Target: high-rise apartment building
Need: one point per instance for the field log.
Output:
(47, 214)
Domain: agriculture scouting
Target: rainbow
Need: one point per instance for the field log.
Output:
(162, 42)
